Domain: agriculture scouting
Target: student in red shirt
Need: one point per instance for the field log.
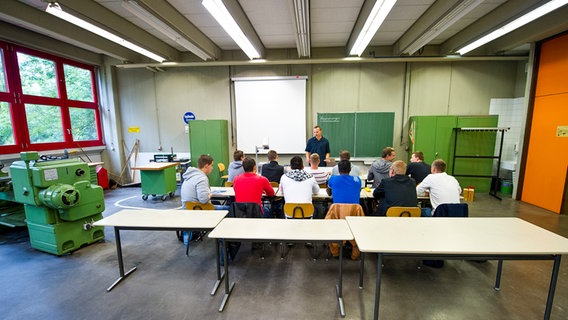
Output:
(250, 186)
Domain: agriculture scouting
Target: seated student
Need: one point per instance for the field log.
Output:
(344, 188)
(417, 169)
(319, 174)
(195, 186)
(272, 170)
(346, 155)
(397, 191)
(442, 187)
(297, 185)
(236, 167)
(380, 168)
(250, 186)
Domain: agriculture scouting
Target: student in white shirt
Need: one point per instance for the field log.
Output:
(297, 185)
(319, 174)
(442, 187)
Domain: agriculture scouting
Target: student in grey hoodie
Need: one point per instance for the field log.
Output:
(380, 169)
(236, 167)
(195, 186)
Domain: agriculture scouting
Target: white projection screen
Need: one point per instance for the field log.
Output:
(271, 111)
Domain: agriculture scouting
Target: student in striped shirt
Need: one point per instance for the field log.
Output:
(319, 174)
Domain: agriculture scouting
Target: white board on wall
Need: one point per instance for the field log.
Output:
(271, 110)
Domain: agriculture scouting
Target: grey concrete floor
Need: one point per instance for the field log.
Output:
(169, 285)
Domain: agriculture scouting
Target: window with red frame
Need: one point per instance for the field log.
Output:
(46, 102)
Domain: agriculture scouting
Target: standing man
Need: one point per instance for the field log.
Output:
(380, 169)
(318, 144)
(397, 191)
(443, 188)
(417, 169)
(272, 170)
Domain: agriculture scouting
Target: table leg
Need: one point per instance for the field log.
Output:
(552, 287)
(378, 284)
(339, 286)
(361, 270)
(498, 278)
(121, 273)
(228, 288)
(218, 263)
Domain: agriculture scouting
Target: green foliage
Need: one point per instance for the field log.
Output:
(2, 73)
(37, 76)
(6, 133)
(78, 83)
(83, 124)
(44, 123)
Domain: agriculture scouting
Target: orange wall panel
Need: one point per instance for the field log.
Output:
(553, 67)
(548, 154)
(547, 157)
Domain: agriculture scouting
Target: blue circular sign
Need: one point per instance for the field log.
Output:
(188, 116)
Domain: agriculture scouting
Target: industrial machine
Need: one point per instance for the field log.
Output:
(61, 204)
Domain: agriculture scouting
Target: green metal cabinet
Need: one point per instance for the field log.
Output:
(210, 137)
(435, 136)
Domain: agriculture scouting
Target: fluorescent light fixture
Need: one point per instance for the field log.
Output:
(55, 9)
(301, 10)
(377, 16)
(441, 25)
(224, 18)
(515, 24)
(162, 27)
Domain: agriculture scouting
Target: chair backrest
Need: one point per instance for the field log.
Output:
(199, 206)
(323, 185)
(452, 210)
(342, 210)
(298, 210)
(403, 212)
(274, 184)
(221, 167)
(245, 210)
(228, 184)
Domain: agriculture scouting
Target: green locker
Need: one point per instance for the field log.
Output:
(435, 137)
(210, 137)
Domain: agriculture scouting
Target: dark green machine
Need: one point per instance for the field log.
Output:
(60, 202)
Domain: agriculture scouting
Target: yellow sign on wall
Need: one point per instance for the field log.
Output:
(133, 129)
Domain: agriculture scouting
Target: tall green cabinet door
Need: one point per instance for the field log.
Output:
(433, 135)
(210, 137)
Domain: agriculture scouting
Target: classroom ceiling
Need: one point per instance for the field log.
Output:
(331, 22)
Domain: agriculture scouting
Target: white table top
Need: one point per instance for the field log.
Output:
(282, 229)
(454, 236)
(199, 219)
(155, 166)
(226, 192)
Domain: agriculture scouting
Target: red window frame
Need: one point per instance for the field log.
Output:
(17, 101)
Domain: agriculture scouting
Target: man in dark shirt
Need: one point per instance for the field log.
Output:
(397, 191)
(272, 170)
(318, 144)
(417, 169)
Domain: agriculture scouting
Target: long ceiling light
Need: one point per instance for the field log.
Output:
(377, 16)
(55, 9)
(441, 25)
(301, 10)
(224, 18)
(162, 27)
(515, 24)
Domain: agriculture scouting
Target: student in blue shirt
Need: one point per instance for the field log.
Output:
(344, 188)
